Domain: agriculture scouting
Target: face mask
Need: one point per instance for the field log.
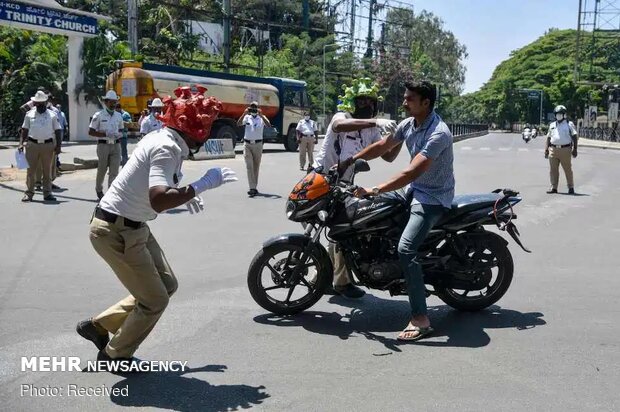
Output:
(306, 118)
(363, 112)
(41, 108)
(559, 117)
(254, 114)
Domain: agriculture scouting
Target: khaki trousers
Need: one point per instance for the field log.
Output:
(341, 273)
(109, 156)
(306, 146)
(139, 263)
(39, 174)
(561, 156)
(252, 154)
(42, 153)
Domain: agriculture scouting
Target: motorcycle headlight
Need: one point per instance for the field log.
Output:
(290, 209)
(322, 215)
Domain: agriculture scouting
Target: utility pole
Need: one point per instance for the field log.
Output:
(132, 26)
(371, 13)
(306, 14)
(352, 36)
(226, 36)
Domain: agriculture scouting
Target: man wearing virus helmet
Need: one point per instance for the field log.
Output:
(560, 147)
(146, 186)
(352, 129)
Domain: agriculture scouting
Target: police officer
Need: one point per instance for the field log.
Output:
(254, 121)
(146, 186)
(107, 126)
(561, 146)
(41, 130)
(351, 130)
(151, 122)
(307, 135)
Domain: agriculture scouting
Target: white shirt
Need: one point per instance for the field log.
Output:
(306, 128)
(150, 124)
(41, 126)
(155, 161)
(561, 132)
(253, 127)
(346, 143)
(105, 122)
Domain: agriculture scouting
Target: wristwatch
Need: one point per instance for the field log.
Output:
(375, 190)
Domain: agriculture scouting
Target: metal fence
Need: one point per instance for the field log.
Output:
(606, 133)
(459, 129)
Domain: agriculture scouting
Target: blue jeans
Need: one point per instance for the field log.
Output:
(124, 156)
(422, 219)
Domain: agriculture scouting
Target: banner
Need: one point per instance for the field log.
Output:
(25, 15)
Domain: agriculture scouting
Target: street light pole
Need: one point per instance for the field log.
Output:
(324, 47)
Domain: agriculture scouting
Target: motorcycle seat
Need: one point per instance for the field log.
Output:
(467, 203)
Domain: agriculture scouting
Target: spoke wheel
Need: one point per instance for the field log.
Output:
(489, 265)
(285, 279)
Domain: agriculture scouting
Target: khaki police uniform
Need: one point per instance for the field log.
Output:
(40, 148)
(253, 148)
(307, 129)
(108, 148)
(560, 152)
(120, 235)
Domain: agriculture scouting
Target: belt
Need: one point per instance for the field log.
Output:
(561, 146)
(30, 139)
(111, 218)
(253, 141)
(104, 141)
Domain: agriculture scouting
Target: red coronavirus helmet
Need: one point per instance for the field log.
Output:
(191, 112)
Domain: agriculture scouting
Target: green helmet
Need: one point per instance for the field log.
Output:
(360, 87)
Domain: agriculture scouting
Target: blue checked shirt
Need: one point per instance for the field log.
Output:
(434, 141)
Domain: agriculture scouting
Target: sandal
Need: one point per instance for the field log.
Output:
(422, 332)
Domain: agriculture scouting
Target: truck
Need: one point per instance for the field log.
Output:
(282, 100)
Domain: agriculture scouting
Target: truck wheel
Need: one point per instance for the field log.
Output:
(224, 132)
(290, 141)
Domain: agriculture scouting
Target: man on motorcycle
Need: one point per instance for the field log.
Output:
(352, 129)
(431, 179)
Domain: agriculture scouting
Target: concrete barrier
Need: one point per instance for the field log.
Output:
(216, 149)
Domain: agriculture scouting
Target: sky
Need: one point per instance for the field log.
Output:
(491, 29)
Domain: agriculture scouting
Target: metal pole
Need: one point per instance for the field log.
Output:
(324, 81)
(132, 26)
(541, 108)
(576, 70)
(352, 37)
(226, 35)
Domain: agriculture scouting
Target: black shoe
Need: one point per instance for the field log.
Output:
(49, 198)
(99, 195)
(88, 331)
(252, 192)
(552, 190)
(37, 187)
(56, 187)
(571, 191)
(349, 291)
(27, 198)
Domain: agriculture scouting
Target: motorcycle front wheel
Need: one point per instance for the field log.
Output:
(286, 278)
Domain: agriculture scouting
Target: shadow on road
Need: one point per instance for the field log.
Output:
(79, 199)
(173, 391)
(372, 317)
(268, 195)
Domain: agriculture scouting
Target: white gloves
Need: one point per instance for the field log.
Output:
(386, 125)
(196, 205)
(214, 177)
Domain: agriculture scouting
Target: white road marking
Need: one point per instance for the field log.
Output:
(504, 149)
(466, 148)
(485, 149)
(524, 149)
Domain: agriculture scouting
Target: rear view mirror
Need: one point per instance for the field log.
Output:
(361, 165)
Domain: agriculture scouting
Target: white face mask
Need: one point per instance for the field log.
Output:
(559, 117)
(306, 118)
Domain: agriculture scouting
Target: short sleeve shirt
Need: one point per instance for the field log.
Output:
(434, 141)
(41, 126)
(103, 121)
(150, 124)
(560, 133)
(155, 161)
(254, 126)
(306, 127)
(341, 146)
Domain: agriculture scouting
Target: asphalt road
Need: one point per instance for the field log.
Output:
(552, 343)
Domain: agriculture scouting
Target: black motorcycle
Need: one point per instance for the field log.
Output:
(464, 264)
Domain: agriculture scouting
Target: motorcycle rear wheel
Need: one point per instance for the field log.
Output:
(488, 249)
(284, 268)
